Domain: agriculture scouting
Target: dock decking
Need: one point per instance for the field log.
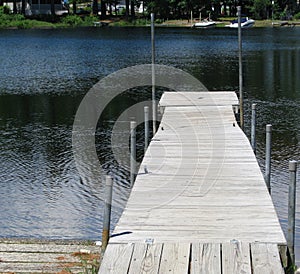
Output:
(196, 258)
(199, 187)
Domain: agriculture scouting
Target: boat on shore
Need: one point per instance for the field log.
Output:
(205, 24)
(245, 23)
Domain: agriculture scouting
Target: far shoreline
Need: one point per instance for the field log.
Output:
(122, 23)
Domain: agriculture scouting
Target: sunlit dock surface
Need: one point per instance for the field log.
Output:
(199, 200)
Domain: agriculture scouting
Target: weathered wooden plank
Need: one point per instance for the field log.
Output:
(236, 258)
(116, 259)
(206, 258)
(145, 259)
(37, 257)
(17, 267)
(266, 259)
(198, 98)
(166, 235)
(47, 248)
(139, 253)
(175, 258)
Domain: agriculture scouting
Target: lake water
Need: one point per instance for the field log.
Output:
(44, 74)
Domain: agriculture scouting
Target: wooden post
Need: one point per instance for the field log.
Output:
(268, 156)
(292, 209)
(253, 128)
(241, 95)
(146, 120)
(153, 73)
(132, 151)
(107, 211)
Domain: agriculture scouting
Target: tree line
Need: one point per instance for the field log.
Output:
(180, 9)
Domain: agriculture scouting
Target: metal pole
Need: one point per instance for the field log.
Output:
(132, 151)
(253, 128)
(146, 117)
(292, 209)
(240, 69)
(107, 211)
(153, 74)
(268, 156)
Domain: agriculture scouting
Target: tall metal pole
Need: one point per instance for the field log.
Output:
(107, 211)
(146, 121)
(253, 128)
(153, 74)
(132, 151)
(292, 209)
(268, 156)
(241, 95)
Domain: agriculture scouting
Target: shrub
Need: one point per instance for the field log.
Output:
(72, 20)
(89, 20)
(297, 16)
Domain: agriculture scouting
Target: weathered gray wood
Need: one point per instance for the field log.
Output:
(195, 98)
(146, 258)
(175, 258)
(139, 253)
(236, 258)
(116, 259)
(265, 259)
(206, 258)
(198, 160)
(33, 256)
(47, 248)
(36, 257)
(17, 267)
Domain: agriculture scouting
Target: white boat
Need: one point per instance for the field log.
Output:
(205, 24)
(245, 23)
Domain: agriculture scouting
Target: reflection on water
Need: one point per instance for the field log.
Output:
(44, 74)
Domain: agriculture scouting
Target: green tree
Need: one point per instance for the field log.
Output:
(260, 8)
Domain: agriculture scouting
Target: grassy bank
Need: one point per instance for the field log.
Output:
(19, 21)
(221, 22)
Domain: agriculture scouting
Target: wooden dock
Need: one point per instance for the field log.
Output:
(199, 202)
(42, 256)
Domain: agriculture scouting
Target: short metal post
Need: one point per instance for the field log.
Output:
(132, 151)
(241, 95)
(153, 73)
(292, 209)
(146, 120)
(268, 156)
(253, 128)
(107, 211)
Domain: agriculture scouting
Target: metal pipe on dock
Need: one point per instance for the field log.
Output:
(153, 72)
(292, 209)
(241, 95)
(253, 128)
(146, 121)
(268, 156)
(132, 151)
(107, 211)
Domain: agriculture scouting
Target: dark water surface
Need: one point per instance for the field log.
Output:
(44, 75)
